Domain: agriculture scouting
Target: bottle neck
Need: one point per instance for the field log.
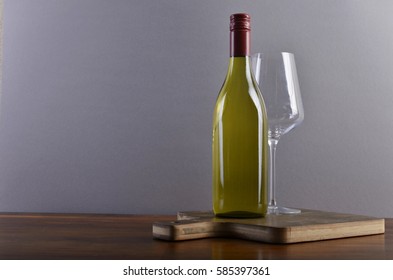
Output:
(240, 67)
(239, 43)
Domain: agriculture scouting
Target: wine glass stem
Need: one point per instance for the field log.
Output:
(272, 172)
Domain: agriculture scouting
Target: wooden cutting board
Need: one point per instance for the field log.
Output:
(310, 225)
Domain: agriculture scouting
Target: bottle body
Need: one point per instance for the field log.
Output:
(240, 145)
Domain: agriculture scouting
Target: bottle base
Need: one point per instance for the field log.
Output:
(240, 215)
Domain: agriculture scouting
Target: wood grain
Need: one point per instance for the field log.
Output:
(310, 225)
(84, 236)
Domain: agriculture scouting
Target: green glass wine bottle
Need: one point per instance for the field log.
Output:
(240, 134)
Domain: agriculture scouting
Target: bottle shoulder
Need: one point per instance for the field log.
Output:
(239, 92)
(239, 78)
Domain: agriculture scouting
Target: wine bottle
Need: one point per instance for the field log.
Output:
(240, 134)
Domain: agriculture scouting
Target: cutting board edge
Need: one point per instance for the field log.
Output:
(319, 232)
(186, 230)
(201, 224)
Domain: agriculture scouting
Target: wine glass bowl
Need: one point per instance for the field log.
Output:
(276, 75)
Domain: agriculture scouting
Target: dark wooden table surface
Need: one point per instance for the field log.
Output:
(84, 236)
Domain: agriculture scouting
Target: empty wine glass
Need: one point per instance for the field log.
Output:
(275, 72)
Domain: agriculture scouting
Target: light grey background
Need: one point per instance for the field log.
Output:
(107, 105)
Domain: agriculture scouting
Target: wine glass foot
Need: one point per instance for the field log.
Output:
(276, 210)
